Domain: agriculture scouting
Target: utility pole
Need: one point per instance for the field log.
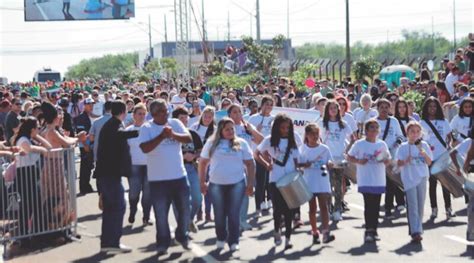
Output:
(166, 31)
(288, 19)
(454, 24)
(149, 37)
(204, 40)
(257, 17)
(348, 44)
(228, 26)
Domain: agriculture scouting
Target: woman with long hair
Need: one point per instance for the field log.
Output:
(434, 124)
(402, 116)
(279, 153)
(28, 175)
(205, 128)
(263, 122)
(249, 133)
(337, 135)
(231, 174)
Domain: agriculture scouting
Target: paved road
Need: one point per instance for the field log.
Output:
(444, 241)
(43, 10)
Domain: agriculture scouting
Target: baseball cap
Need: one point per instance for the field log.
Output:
(63, 102)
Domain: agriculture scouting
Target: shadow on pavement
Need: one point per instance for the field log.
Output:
(289, 254)
(430, 224)
(409, 249)
(363, 249)
(94, 258)
(92, 217)
(469, 252)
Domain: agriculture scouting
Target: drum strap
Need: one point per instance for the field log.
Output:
(435, 131)
(470, 127)
(285, 158)
(402, 128)
(387, 127)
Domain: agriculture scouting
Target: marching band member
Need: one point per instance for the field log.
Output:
(334, 133)
(391, 134)
(437, 132)
(314, 158)
(278, 153)
(414, 157)
(371, 155)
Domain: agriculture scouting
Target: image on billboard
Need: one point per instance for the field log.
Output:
(62, 10)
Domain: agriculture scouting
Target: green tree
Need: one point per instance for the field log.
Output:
(264, 55)
(366, 67)
(170, 65)
(108, 66)
(152, 66)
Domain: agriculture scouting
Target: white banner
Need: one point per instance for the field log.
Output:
(300, 117)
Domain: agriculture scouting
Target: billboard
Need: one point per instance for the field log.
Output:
(62, 10)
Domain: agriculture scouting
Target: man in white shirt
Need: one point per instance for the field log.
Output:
(179, 99)
(451, 79)
(161, 139)
(98, 109)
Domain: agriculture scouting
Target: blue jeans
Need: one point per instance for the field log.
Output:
(244, 209)
(138, 182)
(163, 193)
(195, 188)
(415, 204)
(113, 211)
(227, 200)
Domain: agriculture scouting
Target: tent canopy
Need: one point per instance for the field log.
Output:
(392, 74)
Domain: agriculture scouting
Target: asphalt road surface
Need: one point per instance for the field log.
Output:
(444, 240)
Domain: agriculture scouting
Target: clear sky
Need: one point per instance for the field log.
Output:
(28, 46)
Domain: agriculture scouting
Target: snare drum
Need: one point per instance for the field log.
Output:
(445, 171)
(350, 169)
(394, 175)
(294, 189)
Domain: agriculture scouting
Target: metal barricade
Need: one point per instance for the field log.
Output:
(38, 196)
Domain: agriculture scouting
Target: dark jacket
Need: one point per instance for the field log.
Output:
(113, 154)
(82, 123)
(67, 124)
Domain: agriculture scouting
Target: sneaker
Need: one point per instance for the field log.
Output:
(264, 206)
(327, 237)
(220, 244)
(369, 238)
(376, 236)
(131, 219)
(277, 239)
(389, 215)
(193, 228)
(288, 244)
(245, 226)
(336, 216)
(345, 206)
(116, 250)
(269, 204)
(234, 247)
(316, 239)
(449, 213)
(434, 213)
(401, 208)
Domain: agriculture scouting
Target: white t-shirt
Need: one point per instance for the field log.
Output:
(461, 125)
(266, 122)
(443, 128)
(165, 162)
(30, 158)
(278, 153)
(370, 176)
(226, 165)
(177, 100)
(413, 172)
(98, 108)
(394, 131)
(335, 138)
(350, 121)
(138, 157)
(200, 130)
(363, 116)
(241, 133)
(319, 156)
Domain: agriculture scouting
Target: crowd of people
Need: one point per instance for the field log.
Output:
(177, 152)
